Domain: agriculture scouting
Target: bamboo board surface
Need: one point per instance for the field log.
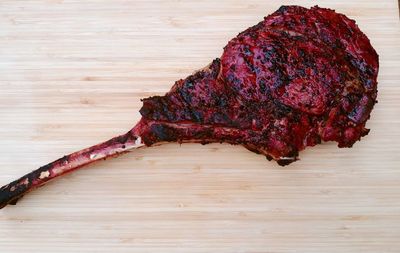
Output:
(72, 74)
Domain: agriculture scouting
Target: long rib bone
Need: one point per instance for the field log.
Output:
(11, 193)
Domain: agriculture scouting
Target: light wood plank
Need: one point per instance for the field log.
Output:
(72, 74)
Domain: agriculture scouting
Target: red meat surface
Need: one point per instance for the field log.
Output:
(297, 78)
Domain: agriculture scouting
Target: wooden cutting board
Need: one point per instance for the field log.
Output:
(72, 74)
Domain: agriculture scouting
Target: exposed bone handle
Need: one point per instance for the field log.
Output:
(11, 193)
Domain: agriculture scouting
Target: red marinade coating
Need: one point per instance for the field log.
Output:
(296, 78)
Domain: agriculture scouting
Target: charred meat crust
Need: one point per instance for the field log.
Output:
(297, 78)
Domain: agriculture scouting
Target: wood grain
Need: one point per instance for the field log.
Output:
(72, 74)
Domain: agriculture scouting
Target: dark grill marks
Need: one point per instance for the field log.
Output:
(299, 77)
